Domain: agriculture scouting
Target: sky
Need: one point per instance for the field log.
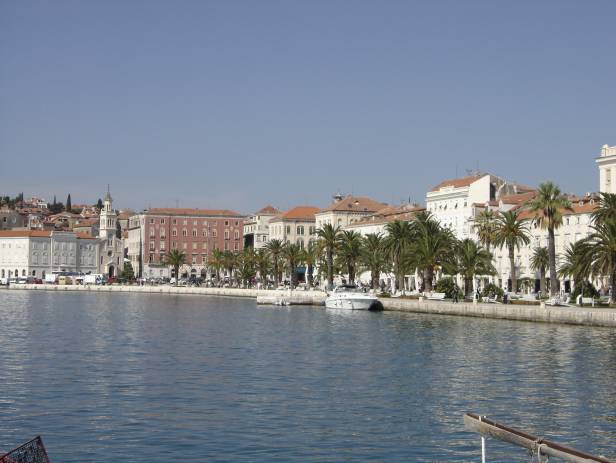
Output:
(238, 104)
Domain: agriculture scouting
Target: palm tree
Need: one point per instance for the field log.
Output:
(230, 261)
(540, 261)
(262, 263)
(396, 244)
(292, 254)
(511, 232)
(216, 262)
(598, 252)
(485, 226)
(311, 257)
(373, 257)
(274, 249)
(573, 263)
(349, 251)
(472, 259)
(329, 236)
(432, 248)
(246, 269)
(606, 209)
(176, 259)
(550, 203)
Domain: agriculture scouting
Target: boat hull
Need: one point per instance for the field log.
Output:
(350, 303)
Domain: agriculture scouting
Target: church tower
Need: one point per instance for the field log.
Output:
(607, 169)
(108, 218)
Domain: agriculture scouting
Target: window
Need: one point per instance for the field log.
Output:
(195, 223)
(162, 237)
(204, 245)
(184, 232)
(226, 246)
(151, 258)
(237, 234)
(174, 232)
(162, 245)
(226, 223)
(152, 221)
(174, 222)
(194, 258)
(204, 233)
(214, 233)
(162, 221)
(236, 246)
(194, 245)
(204, 259)
(300, 230)
(236, 223)
(194, 232)
(288, 229)
(151, 246)
(184, 245)
(174, 245)
(185, 222)
(226, 234)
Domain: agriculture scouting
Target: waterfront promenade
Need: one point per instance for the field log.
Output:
(533, 313)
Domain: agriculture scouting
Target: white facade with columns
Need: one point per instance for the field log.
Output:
(607, 169)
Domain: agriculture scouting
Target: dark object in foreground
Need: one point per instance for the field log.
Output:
(376, 306)
(535, 445)
(30, 452)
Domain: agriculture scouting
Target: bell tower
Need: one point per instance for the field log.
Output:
(607, 169)
(108, 218)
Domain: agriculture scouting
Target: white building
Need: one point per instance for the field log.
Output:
(256, 227)
(607, 169)
(36, 253)
(346, 210)
(297, 226)
(452, 202)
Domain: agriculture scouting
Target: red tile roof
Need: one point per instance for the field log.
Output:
(24, 233)
(389, 214)
(354, 204)
(268, 210)
(519, 198)
(298, 213)
(193, 212)
(576, 208)
(458, 182)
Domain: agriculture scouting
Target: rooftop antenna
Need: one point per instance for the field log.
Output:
(177, 203)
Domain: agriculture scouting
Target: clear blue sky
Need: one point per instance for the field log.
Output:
(235, 104)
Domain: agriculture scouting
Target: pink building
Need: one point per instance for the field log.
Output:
(195, 232)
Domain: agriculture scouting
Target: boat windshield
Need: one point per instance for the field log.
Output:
(347, 289)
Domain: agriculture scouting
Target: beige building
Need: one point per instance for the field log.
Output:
(10, 219)
(607, 169)
(346, 210)
(297, 226)
(256, 227)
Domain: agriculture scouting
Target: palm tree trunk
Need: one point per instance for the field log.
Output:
(330, 268)
(177, 274)
(514, 286)
(429, 278)
(552, 253)
(542, 282)
(310, 276)
(374, 281)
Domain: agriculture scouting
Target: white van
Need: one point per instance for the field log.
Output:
(93, 279)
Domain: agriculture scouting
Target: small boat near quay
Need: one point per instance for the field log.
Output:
(350, 297)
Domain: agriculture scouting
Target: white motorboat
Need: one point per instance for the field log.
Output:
(350, 297)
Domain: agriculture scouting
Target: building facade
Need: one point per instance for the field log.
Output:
(297, 225)
(153, 233)
(36, 253)
(256, 227)
(346, 210)
(111, 259)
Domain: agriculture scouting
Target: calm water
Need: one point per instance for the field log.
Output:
(144, 378)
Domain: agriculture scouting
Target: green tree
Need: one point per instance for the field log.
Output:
(511, 232)
(230, 262)
(311, 256)
(573, 263)
(485, 226)
(99, 204)
(606, 209)
(349, 252)
(539, 261)
(216, 261)
(472, 259)
(263, 264)
(69, 206)
(396, 244)
(128, 273)
(432, 248)
(246, 266)
(176, 259)
(549, 205)
(374, 258)
(292, 254)
(598, 252)
(274, 249)
(330, 239)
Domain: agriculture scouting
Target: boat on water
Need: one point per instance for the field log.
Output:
(350, 297)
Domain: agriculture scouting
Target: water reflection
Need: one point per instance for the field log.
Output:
(152, 378)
